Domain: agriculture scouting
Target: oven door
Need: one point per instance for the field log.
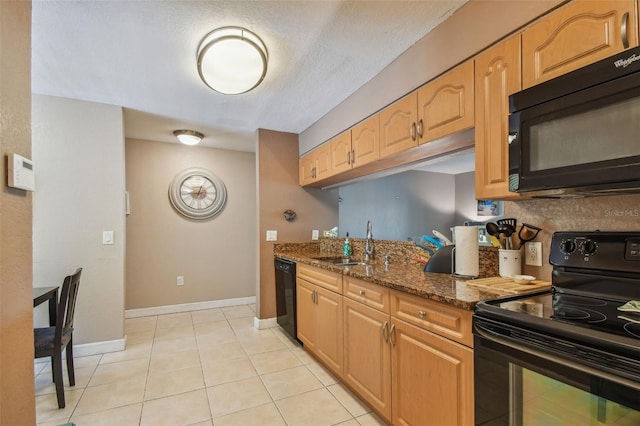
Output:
(519, 384)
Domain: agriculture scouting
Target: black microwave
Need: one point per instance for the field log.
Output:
(578, 134)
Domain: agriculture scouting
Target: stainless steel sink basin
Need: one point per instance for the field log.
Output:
(339, 260)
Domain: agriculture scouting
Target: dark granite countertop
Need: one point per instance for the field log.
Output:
(404, 276)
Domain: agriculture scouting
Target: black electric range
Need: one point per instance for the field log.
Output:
(595, 274)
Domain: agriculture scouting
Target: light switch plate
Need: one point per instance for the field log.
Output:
(314, 234)
(107, 237)
(272, 235)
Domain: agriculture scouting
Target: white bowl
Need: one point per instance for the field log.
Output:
(523, 279)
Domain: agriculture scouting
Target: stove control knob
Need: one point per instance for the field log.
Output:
(567, 246)
(589, 247)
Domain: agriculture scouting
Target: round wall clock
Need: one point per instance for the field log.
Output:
(197, 193)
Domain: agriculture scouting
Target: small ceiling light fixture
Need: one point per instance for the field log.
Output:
(232, 60)
(188, 137)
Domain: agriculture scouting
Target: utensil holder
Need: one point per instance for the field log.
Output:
(509, 263)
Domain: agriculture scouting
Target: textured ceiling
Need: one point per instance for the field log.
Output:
(141, 55)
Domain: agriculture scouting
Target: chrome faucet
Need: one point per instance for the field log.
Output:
(368, 247)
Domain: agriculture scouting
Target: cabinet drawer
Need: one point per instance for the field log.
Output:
(442, 319)
(367, 293)
(327, 279)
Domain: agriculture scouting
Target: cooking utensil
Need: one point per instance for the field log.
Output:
(507, 221)
(507, 230)
(494, 231)
(527, 233)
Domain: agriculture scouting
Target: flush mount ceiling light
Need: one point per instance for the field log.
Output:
(189, 137)
(232, 60)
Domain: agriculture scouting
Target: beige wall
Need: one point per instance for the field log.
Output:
(17, 405)
(78, 153)
(216, 257)
(278, 190)
(472, 28)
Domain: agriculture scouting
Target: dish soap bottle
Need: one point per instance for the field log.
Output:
(346, 249)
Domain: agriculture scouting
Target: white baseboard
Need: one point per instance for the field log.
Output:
(98, 348)
(264, 323)
(185, 307)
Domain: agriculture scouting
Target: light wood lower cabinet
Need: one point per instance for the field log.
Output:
(432, 378)
(408, 357)
(367, 355)
(320, 325)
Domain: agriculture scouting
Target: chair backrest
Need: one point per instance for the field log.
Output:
(67, 304)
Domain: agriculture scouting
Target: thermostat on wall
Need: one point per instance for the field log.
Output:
(20, 171)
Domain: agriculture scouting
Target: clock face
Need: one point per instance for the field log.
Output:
(197, 193)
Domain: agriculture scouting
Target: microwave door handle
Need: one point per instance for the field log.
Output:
(623, 30)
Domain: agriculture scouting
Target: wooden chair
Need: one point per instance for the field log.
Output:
(50, 341)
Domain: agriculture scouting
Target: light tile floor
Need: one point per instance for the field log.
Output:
(208, 367)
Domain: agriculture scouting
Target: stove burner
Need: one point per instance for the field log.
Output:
(633, 328)
(581, 301)
(563, 312)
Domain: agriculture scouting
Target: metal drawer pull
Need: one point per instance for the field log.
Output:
(422, 314)
(361, 292)
(385, 333)
(392, 333)
(413, 131)
(624, 31)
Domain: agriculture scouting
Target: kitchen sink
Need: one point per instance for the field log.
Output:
(339, 260)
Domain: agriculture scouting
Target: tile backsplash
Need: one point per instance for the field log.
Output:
(612, 213)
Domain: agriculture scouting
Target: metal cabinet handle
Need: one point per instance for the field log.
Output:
(313, 173)
(623, 30)
(361, 292)
(385, 331)
(349, 157)
(413, 131)
(420, 128)
(313, 296)
(392, 333)
(422, 314)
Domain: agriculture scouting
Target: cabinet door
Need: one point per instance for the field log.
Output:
(306, 324)
(341, 153)
(367, 355)
(580, 33)
(398, 126)
(365, 142)
(445, 105)
(329, 329)
(306, 166)
(497, 77)
(432, 378)
(323, 162)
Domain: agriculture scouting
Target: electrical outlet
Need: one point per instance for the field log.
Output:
(533, 254)
(180, 280)
(314, 234)
(272, 236)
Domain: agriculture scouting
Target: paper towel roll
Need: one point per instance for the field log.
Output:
(467, 257)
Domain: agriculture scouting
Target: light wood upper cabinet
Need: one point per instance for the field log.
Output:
(365, 141)
(315, 165)
(356, 147)
(432, 378)
(341, 152)
(367, 355)
(579, 33)
(398, 126)
(445, 105)
(497, 77)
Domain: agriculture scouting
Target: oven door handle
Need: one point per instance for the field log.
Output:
(510, 343)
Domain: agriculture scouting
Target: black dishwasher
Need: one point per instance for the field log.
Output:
(286, 295)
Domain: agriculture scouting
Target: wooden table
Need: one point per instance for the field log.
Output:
(41, 295)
